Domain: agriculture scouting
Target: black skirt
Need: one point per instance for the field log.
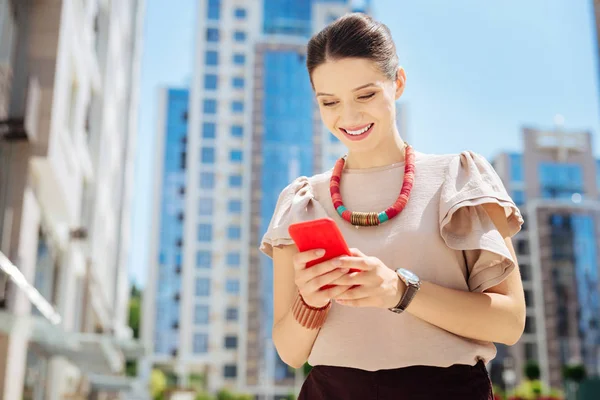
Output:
(464, 382)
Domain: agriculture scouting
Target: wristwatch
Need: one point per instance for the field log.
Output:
(413, 284)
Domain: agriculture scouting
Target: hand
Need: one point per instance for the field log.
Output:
(375, 285)
(310, 280)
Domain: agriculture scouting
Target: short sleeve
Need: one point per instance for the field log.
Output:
(296, 203)
(471, 182)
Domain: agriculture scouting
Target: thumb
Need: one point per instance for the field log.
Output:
(357, 253)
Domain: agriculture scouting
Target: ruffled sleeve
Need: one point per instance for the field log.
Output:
(469, 183)
(296, 203)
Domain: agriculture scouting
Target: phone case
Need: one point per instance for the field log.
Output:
(320, 233)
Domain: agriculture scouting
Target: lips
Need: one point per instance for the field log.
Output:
(357, 132)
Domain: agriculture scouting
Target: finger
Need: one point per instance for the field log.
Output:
(306, 274)
(302, 258)
(317, 283)
(360, 263)
(355, 278)
(356, 252)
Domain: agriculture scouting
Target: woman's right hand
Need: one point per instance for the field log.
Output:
(310, 280)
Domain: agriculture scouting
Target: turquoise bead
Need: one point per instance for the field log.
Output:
(341, 210)
(382, 217)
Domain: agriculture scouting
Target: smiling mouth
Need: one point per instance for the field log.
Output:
(358, 134)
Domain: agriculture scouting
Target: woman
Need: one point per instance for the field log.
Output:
(438, 280)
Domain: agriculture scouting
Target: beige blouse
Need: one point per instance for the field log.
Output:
(443, 235)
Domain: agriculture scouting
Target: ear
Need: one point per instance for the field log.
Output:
(400, 82)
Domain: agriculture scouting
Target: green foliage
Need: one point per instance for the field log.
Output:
(131, 368)
(532, 370)
(306, 369)
(135, 303)
(535, 390)
(158, 384)
(575, 373)
(205, 396)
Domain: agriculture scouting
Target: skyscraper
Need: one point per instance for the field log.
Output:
(253, 127)
(554, 182)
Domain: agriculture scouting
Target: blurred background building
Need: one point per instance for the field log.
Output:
(555, 184)
(68, 82)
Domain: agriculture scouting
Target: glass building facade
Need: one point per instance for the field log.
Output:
(166, 339)
(287, 151)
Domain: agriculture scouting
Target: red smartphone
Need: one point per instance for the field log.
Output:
(322, 233)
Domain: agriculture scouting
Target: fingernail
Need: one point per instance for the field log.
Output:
(344, 270)
(320, 252)
(336, 262)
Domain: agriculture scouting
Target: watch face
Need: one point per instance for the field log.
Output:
(410, 277)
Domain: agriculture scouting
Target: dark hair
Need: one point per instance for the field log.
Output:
(354, 35)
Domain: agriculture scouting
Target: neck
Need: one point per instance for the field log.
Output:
(386, 153)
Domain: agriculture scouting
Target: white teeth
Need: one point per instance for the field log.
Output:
(359, 132)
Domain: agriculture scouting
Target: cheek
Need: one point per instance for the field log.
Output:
(328, 117)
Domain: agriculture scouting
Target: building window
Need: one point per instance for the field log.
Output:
(529, 325)
(210, 81)
(201, 315)
(212, 35)
(212, 58)
(239, 59)
(233, 259)
(530, 352)
(519, 197)
(560, 180)
(238, 82)
(240, 13)
(230, 371)
(205, 206)
(231, 314)
(528, 298)
(202, 287)
(234, 206)
(236, 156)
(231, 342)
(204, 233)
(237, 131)
(525, 272)
(237, 106)
(214, 9)
(200, 343)
(235, 181)
(522, 247)
(207, 155)
(209, 130)
(210, 106)
(516, 168)
(239, 36)
(203, 259)
(234, 232)
(207, 180)
(232, 286)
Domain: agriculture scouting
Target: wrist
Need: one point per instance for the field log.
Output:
(400, 288)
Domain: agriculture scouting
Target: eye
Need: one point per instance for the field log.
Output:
(367, 96)
(329, 103)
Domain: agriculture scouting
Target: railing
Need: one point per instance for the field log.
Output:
(45, 308)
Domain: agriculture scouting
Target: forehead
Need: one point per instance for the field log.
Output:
(346, 74)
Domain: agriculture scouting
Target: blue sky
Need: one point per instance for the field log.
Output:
(477, 72)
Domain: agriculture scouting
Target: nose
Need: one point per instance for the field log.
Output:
(350, 115)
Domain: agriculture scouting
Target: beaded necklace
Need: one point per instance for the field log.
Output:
(373, 218)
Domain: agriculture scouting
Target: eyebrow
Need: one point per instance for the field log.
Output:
(354, 90)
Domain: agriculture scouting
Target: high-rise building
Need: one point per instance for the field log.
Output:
(555, 184)
(68, 84)
(253, 127)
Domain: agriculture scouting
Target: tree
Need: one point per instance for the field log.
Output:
(532, 370)
(158, 384)
(135, 301)
(306, 369)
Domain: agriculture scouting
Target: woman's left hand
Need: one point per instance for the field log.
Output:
(378, 285)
